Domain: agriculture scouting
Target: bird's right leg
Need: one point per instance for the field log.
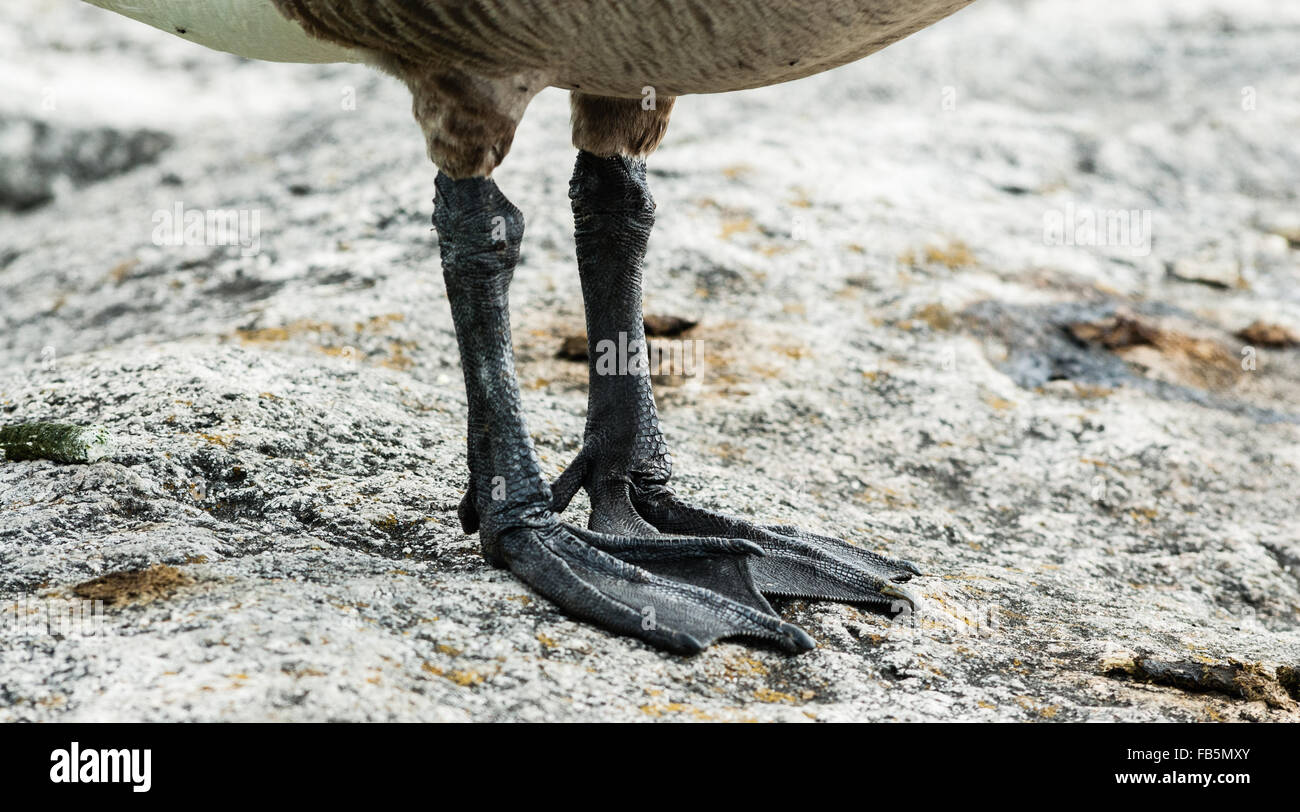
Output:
(681, 595)
(624, 464)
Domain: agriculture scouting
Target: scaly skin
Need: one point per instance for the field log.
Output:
(680, 593)
(624, 464)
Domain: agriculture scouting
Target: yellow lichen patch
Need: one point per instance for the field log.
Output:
(769, 695)
(1042, 710)
(661, 710)
(1144, 514)
(222, 440)
(1001, 404)
(263, 335)
(729, 452)
(375, 325)
(466, 677)
(119, 272)
(397, 357)
(735, 224)
(378, 323)
(886, 496)
(735, 171)
(1085, 391)
(546, 641)
(742, 665)
(954, 611)
(935, 315)
(954, 255)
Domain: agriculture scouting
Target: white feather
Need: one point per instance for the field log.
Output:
(251, 28)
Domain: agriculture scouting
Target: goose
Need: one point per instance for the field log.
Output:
(648, 564)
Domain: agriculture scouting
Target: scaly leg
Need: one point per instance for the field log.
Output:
(624, 463)
(679, 593)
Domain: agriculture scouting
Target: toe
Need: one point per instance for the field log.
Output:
(565, 565)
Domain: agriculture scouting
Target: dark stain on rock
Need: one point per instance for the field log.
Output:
(1250, 681)
(244, 288)
(50, 151)
(1114, 333)
(1159, 351)
(133, 586)
(657, 326)
(574, 347)
(1289, 679)
(1265, 334)
(1049, 343)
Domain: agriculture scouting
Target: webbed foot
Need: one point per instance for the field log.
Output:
(677, 593)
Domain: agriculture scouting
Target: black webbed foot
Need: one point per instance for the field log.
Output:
(796, 563)
(646, 587)
(679, 593)
(624, 464)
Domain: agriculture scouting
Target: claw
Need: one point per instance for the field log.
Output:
(801, 639)
(910, 566)
(902, 593)
(796, 564)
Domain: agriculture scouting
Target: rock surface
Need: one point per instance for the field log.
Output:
(36, 158)
(884, 262)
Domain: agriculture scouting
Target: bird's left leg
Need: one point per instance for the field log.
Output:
(624, 463)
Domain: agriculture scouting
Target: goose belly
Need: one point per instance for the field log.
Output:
(249, 28)
(618, 47)
(711, 46)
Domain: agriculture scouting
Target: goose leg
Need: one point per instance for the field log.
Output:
(678, 593)
(624, 463)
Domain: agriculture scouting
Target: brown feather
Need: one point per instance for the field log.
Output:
(473, 65)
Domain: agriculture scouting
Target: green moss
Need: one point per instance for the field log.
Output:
(60, 442)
